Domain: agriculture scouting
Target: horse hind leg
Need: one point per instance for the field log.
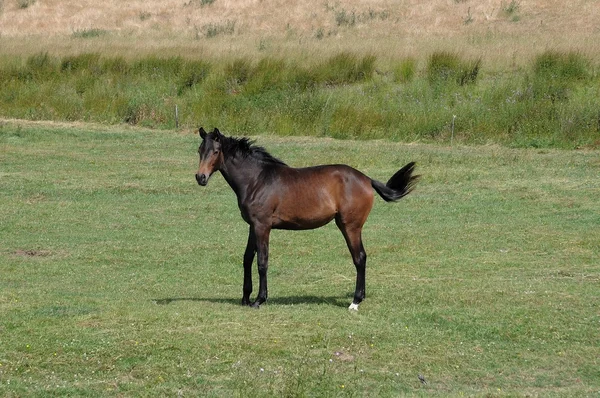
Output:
(353, 237)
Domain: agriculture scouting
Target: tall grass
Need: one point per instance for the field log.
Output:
(553, 103)
(447, 67)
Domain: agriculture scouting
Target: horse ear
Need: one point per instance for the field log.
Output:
(202, 132)
(217, 134)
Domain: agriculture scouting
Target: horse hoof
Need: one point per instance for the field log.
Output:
(353, 307)
(255, 304)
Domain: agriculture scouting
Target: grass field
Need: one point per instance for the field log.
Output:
(121, 277)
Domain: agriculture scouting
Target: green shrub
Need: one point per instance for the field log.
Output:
(268, 74)
(404, 72)
(146, 108)
(39, 66)
(555, 74)
(155, 67)
(560, 65)
(116, 65)
(345, 68)
(444, 66)
(87, 61)
(238, 71)
(192, 73)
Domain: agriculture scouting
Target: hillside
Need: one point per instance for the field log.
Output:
(497, 30)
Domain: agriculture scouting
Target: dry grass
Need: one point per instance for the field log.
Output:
(388, 29)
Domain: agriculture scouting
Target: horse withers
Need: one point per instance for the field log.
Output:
(273, 195)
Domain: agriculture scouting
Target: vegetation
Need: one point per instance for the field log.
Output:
(443, 67)
(122, 277)
(554, 103)
(89, 33)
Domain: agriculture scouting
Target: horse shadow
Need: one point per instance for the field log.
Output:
(335, 301)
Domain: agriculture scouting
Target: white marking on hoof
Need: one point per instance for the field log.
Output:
(353, 307)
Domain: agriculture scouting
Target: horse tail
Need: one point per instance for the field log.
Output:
(400, 185)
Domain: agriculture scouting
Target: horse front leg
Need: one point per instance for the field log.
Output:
(248, 260)
(262, 249)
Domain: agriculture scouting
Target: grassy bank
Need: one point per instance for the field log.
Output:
(120, 276)
(552, 102)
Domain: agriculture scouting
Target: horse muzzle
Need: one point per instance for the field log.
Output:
(202, 179)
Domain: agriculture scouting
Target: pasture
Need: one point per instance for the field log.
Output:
(120, 276)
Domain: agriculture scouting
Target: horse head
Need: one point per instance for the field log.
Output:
(211, 154)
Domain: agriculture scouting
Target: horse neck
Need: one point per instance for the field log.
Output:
(240, 172)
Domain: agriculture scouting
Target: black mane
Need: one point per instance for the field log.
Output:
(246, 148)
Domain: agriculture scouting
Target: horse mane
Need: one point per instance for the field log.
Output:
(246, 148)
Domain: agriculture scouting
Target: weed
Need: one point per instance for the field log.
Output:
(345, 18)
(89, 33)
(201, 2)
(511, 10)
(213, 30)
(320, 34)
(22, 4)
(512, 7)
(469, 18)
(144, 15)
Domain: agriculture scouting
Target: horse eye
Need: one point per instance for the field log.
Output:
(216, 152)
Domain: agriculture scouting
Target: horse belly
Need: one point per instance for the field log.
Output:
(305, 209)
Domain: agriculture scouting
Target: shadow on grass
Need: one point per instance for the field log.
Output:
(335, 301)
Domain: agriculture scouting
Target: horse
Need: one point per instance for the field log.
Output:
(272, 195)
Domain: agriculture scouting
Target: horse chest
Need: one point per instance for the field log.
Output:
(255, 208)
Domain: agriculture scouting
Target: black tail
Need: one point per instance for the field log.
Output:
(399, 185)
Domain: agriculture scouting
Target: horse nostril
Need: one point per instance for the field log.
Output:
(201, 179)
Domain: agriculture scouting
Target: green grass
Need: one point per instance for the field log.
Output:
(122, 277)
(551, 103)
(448, 67)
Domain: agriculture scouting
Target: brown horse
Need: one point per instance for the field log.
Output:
(272, 195)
